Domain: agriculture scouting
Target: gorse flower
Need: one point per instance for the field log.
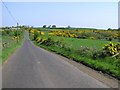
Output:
(111, 49)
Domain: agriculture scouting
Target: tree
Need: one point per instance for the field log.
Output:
(44, 26)
(109, 29)
(68, 27)
(53, 26)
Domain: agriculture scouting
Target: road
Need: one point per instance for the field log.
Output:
(33, 67)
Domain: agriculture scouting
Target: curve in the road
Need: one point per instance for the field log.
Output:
(33, 67)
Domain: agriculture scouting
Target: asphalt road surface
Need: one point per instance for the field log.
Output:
(33, 67)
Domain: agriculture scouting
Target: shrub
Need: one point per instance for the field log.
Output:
(99, 54)
(86, 51)
(49, 42)
(110, 39)
(36, 34)
(111, 49)
(38, 39)
(92, 37)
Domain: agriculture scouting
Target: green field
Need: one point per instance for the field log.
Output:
(75, 43)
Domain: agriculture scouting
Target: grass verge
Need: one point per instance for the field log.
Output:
(7, 52)
(10, 49)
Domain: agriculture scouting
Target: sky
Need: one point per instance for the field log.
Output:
(75, 14)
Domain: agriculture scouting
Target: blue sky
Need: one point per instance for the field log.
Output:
(79, 14)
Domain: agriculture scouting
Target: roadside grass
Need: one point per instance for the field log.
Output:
(11, 47)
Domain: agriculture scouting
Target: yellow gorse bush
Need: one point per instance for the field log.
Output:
(42, 33)
(77, 33)
(38, 39)
(112, 49)
(15, 38)
(32, 31)
(63, 33)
